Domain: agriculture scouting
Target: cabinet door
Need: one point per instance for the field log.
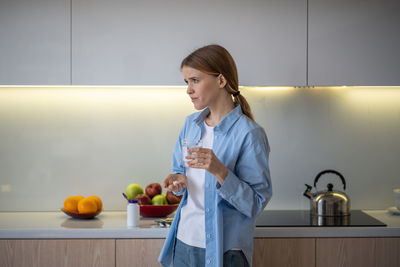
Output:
(354, 42)
(35, 42)
(341, 252)
(138, 252)
(126, 42)
(72, 252)
(387, 252)
(278, 252)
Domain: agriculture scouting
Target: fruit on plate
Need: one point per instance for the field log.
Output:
(87, 205)
(172, 198)
(98, 201)
(143, 199)
(153, 189)
(159, 200)
(82, 208)
(152, 195)
(133, 190)
(80, 204)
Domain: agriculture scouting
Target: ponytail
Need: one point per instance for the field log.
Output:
(239, 99)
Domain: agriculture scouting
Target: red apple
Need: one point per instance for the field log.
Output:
(172, 198)
(153, 189)
(143, 199)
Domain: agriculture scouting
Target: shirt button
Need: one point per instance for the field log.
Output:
(208, 235)
(207, 184)
(208, 261)
(207, 210)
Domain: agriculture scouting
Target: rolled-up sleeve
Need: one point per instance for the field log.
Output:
(248, 187)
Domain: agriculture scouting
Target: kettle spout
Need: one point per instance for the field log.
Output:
(308, 192)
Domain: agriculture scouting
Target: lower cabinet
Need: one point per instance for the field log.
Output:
(80, 252)
(271, 252)
(284, 252)
(138, 252)
(327, 252)
(365, 252)
(57, 252)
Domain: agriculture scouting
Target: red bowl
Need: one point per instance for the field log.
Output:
(81, 215)
(157, 210)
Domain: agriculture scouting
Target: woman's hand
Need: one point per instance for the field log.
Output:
(175, 182)
(204, 158)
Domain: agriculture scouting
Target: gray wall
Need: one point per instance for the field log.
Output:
(57, 142)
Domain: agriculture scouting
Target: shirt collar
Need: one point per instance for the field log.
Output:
(226, 123)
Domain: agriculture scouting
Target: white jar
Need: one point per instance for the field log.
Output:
(132, 214)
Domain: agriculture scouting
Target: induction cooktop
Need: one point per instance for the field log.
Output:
(300, 218)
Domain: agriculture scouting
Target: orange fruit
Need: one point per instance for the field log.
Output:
(79, 197)
(71, 204)
(98, 202)
(87, 205)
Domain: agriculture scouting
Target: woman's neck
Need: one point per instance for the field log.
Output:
(219, 111)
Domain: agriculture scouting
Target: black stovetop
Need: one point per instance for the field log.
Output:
(303, 218)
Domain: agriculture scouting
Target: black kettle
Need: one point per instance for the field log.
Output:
(328, 202)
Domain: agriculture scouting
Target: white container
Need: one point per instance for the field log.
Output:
(132, 214)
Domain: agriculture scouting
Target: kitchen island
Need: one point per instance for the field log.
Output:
(41, 238)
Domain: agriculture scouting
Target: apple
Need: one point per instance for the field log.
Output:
(159, 200)
(143, 199)
(153, 189)
(133, 190)
(172, 198)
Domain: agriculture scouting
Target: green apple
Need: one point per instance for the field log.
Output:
(159, 200)
(133, 190)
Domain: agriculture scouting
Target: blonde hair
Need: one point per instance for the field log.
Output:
(215, 60)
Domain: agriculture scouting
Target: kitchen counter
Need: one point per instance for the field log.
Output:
(112, 224)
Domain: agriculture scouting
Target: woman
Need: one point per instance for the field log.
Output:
(226, 183)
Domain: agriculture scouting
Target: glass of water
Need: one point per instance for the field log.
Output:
(188, 144)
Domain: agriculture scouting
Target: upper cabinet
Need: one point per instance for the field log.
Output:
(126, 42)
(354, 42)
(132, 42)
(35, 42)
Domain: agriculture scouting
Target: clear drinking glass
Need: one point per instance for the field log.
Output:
(188, 144)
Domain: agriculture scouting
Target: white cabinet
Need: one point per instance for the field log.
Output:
(354, 42)
(126, 42)
(35, 42)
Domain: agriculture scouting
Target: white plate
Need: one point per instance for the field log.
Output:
(394, 211)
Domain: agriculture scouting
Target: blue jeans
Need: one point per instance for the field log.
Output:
(189, 256)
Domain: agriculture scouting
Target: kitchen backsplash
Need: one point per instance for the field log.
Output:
(62, 141)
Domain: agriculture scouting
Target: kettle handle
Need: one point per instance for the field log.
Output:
(330, 171)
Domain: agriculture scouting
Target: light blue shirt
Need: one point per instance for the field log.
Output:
(231, 208)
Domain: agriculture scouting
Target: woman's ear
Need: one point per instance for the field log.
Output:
(221, 81)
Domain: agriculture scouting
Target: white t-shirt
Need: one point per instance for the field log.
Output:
(191, 230)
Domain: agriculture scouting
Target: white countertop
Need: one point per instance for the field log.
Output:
(112, 224)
